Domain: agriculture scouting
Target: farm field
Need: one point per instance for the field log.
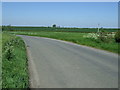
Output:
(57, 29)
(14, 62)
(88, 39)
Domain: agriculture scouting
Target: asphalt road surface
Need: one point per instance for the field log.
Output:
(59, 64)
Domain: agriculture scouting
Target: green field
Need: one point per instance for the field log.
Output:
(76, 35)
(61, 29)
(88, 39)
(14, 62)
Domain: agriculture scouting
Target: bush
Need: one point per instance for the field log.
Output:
(8, 50)
(9, 53)
(105, 36)
(8, 47)
(102, 36)
(117, 36)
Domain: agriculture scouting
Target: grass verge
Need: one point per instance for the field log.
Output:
(0, 59)
(75, 37)
(14, 62)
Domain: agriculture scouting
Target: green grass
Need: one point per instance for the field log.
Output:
(61, 29)
(0, 60)
(14, 70)
(78, 38)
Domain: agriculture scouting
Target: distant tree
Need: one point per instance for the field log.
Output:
(5, 28)
(54, 25)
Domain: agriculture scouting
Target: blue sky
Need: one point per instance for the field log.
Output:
(73, 14)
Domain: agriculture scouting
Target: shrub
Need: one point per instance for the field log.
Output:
(9, 51)
(117, 36)
(91, 35)
(104, 36)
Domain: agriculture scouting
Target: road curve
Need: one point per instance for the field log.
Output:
(59, 64)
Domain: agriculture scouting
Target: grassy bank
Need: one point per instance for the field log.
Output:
(14, 62)
(0, 60)
(79, 38)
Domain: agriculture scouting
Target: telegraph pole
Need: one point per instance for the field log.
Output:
(98, 28)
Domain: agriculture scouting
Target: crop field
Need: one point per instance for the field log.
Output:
(88, 39)
(57, 29)
(14, 62)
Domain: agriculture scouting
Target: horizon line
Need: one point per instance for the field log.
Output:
(57, 26)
